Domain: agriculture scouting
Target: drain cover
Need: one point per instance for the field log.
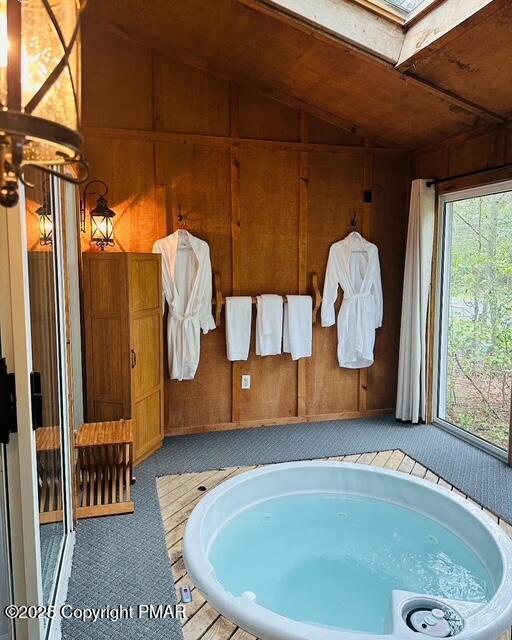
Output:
(437, 622)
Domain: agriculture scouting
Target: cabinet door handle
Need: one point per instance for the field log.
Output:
(134, 359)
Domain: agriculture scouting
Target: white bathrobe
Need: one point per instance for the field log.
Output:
(187, 284)
(354, 265)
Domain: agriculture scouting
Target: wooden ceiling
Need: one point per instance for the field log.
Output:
(476, 61)
(282, 56)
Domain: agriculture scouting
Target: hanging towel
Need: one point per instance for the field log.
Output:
(269, 325)
(298, 326)
(238, 327)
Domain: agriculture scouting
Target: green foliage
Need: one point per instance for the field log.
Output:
(480, 322)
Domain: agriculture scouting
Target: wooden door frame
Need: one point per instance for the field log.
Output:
(23, 498)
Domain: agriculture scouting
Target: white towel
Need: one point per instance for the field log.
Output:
(298, 326)
(238, 327)
(269, 325)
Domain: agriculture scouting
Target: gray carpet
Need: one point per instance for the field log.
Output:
(123, 559)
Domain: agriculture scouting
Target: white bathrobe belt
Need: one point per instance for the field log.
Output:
(356, 296)
(359, 313)
(183, 318)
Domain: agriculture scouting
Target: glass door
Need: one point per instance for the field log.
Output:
(475, 322)
(49, 407)
(35, 312)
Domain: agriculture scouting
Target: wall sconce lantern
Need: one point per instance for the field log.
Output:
(39, 106)
(102, 217)
(45, 219)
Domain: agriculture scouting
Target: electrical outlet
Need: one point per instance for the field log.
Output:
(246, 382)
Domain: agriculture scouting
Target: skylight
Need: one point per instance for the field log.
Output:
(407, 5)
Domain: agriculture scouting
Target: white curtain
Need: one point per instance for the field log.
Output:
(411, 395)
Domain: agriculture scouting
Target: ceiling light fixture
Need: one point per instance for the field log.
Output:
(39, 102)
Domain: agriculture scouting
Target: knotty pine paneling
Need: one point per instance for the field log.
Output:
(197, 180)
(139, 203)
(269, 248)
(477, 150)
(266, 119)
(390, 194)
(335, 194)
(269, 215)
(116, 79)
(190, 100)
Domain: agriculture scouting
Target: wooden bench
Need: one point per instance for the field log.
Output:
(49, 474)
(104, 468)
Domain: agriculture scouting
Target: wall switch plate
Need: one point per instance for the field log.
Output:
(246, 382)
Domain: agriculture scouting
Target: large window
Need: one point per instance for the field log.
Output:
(475, 329)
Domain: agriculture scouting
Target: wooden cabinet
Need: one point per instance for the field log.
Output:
(124, 343)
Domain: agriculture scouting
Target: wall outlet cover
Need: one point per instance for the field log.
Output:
(246, 382)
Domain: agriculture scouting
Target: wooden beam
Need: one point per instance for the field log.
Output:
(317, 31)
(372, 31)
(157, 92)
(223, 141)
(319, 113)
(320, 33)
(252, 85)
(460, 138)
(302, 363)
(366, 228)
(219, 61)
(441, 25)
(454, 98)
(236, 369)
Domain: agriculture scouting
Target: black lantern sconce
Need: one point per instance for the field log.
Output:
(102, 217)
(45, 218)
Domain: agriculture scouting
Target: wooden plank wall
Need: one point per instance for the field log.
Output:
(480, 149)
(269, 188)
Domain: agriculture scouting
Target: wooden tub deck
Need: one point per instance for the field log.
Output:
(178, 496)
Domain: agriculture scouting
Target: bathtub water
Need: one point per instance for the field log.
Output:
(335, 560)
(330, 551)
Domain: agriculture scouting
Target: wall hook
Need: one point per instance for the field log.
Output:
(181, 218)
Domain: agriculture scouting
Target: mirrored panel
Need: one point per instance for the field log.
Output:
(46, 367)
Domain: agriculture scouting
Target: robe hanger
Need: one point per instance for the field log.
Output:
(181, 218)
(353, 224)
(184, 241)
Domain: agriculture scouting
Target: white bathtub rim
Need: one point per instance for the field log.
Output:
(494, 617)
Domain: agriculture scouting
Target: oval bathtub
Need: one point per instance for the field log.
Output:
(332, 551)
